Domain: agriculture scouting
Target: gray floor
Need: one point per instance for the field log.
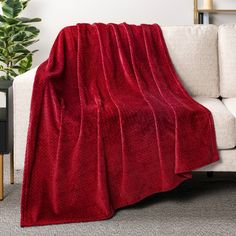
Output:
(201, 206)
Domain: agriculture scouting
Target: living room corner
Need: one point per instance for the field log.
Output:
(117, 117)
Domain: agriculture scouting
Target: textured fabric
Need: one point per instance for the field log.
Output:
(184, 44)
(230, 103)
(22, 94)
(227, 58)
(227, 162)
(224, 122)
(22, 88)
(193, 50)
(110, 124)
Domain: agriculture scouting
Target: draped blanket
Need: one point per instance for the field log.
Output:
(110, 124)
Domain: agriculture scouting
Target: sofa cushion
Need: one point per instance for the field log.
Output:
(226, 163)
(193, 50)
(230, 103)
(224, 122)
(227, 59)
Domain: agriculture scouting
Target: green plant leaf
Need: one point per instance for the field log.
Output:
(3, 53)
(28, 20)
(3, 60)
(12, 8)
(2, 19)
(13, 73)
(2, 29)
(25, 3)
(29, 42)
(18, 48)
(16, 34)
(18, 58)
(16, 67)
(9, 72)
(10, 21)
(2, 44)
(9, 30)
(33, 30)
(25, 64)
(20, 36)
(34, 51)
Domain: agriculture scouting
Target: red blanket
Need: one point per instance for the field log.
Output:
(110, 125)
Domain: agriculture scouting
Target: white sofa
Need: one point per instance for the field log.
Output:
(205, 59)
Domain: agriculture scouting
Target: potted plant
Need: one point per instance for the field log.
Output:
(16, 35)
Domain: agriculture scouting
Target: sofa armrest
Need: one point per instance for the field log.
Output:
(22, 92)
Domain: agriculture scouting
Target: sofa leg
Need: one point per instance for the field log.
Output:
(11, 168)
(1, 178)
(209, 174)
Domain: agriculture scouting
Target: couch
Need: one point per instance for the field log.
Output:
(205, 59)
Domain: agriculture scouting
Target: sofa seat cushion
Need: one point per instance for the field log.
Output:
(226, 163)
(230, 103)
(224, 122)
(194, 53)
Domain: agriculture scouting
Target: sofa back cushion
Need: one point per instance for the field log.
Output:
(227, 59)
(193, 50)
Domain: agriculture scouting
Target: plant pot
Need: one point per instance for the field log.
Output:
(6, 117)
(5, 84)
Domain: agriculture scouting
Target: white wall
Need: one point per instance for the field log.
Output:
(57, 13)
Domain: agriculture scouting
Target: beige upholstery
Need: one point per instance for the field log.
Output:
(22, 87)
(230, 103)
(227, 162)
(193, 51)
(227, 57)
(224, 122)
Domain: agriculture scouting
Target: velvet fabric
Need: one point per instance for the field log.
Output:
(110, 124)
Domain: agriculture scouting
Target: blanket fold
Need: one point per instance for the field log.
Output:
(110, 124)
